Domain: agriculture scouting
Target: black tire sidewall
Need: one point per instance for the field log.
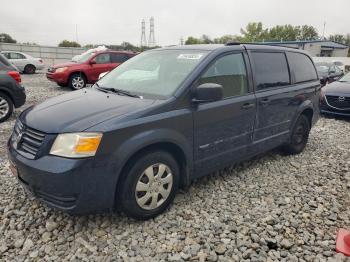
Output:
(26, 68)
(126, 189)
(10, 103)
(296, 148)
(71, 79)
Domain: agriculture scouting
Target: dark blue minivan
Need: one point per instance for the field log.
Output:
(161, 119)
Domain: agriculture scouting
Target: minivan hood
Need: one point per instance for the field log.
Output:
(79, 110)
(337, 88)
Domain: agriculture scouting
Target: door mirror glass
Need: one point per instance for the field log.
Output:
(208, 92)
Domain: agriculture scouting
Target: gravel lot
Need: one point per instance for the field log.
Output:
(271, 208)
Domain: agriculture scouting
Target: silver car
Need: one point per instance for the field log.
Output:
(24, 62)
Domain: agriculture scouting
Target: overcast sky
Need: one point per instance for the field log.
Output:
(111, 22)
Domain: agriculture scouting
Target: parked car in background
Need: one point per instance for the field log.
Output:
(6, 63)
(162, 119)
(87, 68)
(24, 62)
(12, 94)
(328, 72)
(341, 66)
(336, 97)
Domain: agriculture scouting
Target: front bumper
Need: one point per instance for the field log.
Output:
(57, 77)
(77, 186)
(325, 108)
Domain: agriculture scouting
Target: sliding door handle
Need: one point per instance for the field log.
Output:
(247, 106)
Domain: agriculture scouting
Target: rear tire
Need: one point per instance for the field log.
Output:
(6, 107)
(77, 81)
(299, 136)
(29, 69)
(149, 185)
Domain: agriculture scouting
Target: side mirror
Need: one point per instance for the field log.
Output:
(92, 61)
(208, 92)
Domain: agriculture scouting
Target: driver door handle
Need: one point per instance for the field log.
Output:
(265, 101)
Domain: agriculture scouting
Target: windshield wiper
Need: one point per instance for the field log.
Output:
(117, 91)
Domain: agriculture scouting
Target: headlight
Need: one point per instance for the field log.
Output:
(61, 69)
(76, 145)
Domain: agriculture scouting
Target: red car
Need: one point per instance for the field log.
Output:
(87, 68)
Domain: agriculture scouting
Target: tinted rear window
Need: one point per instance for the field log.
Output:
(271, 70)
(302, 67)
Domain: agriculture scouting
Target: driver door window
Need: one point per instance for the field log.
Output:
(230, 72)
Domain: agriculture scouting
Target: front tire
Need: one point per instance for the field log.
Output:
(149, 185)
(29, 69)
(6, 107)
(299, 136)
(77, 81)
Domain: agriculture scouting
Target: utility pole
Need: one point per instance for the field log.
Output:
(76, 32)
(324, 29)
(143, 33)
(152, 39)
(181, 41)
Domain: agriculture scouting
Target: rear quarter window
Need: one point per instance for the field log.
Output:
(302, 67)
(271, 69)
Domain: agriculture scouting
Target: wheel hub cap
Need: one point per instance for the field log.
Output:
(154, 186)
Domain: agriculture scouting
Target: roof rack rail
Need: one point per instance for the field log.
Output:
(232, 43)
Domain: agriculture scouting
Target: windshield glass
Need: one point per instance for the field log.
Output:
(345, 78)
(154, 74)
(338, 63)
(83, 57)
(322, 67)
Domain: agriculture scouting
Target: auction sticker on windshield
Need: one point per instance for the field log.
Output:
(190, 56)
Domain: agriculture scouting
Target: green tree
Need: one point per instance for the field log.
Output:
(283, 33)
(307, 32)
(6, 38)
(66, 43)
(254, 32)
(227, 38)
(338, 38)
(192, 41)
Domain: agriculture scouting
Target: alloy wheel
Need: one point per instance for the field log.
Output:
(154, 186)
(4, 107)
(78, 82)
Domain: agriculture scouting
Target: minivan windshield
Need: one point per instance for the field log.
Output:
(153, 74)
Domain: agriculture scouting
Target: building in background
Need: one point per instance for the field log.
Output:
(317, 48)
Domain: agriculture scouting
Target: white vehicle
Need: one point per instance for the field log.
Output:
(340, 64)
(24, 62)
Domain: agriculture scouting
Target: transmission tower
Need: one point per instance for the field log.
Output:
(152, 39)
(143, 33)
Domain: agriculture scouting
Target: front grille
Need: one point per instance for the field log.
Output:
(339, 102)
(27, 140)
